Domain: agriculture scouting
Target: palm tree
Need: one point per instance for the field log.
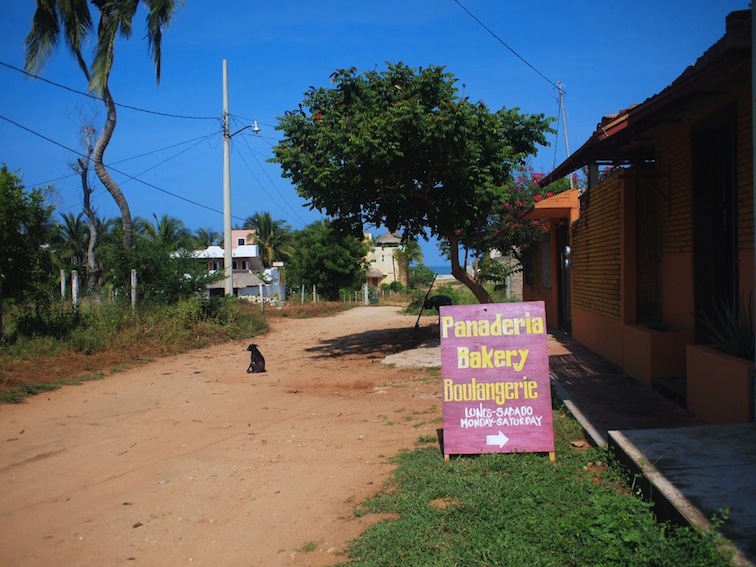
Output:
(168, 231)
(273, 236)
(408, 253)
(73, 239)
(206, 237)
(72, 20)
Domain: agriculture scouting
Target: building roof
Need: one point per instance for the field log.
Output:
(389, 239)
(217, 252)
(209, 252)
(624, 138)
(556, 207)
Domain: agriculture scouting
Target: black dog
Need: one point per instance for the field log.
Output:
(256, 359)
(437, 301)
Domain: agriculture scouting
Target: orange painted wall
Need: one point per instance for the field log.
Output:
(536, 291)
(601, 334)
(677, 290)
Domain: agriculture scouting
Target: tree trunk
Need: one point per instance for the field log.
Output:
(461, 274)
(93, 267)
(115, 191)
(81, 166)
(403, 271)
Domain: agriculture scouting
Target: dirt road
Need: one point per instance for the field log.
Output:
(189, 460)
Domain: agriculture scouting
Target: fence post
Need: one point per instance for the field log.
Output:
(262, 298)
(75, 288)
(314, 294)
(62, 284)
(133, 289)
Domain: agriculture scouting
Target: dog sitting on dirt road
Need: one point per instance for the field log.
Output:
(256, 359)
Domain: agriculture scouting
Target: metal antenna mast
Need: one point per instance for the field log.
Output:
(560, 88)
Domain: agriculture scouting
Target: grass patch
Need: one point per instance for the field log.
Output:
(308, 547)
(56, 347)
(521, 509)
(18, 395)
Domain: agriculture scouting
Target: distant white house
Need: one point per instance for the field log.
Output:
(245, 262)
(243, 258)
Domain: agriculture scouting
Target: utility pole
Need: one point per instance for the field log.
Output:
(560, 88)
(227, 135)
(227, 244)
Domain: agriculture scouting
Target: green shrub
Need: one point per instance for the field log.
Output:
(395, 286)
(88, 340)
(420, 275)
(729, 325)
(46, 318)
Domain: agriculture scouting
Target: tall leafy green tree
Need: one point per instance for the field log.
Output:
(273, 236)
(163, 275)
(25, 229)
(72, 20)
(401, 149)
(327, 258)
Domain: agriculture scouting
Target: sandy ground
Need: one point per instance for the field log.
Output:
(190, 460)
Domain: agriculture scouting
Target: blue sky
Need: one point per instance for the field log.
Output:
(607, 54)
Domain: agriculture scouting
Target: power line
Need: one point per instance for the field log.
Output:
(111, 168)
(520, 57)
(285, 202)
(246, 143)
(94, 97)
(197, 141)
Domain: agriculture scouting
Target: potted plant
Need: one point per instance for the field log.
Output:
(720, 374)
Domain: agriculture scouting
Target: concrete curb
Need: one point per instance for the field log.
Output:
(669, 503)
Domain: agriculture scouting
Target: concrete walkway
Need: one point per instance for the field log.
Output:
(692, 471)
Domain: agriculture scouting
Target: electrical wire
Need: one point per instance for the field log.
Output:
(95, 97)
(245, 139)
(270, 181)
(198, 140)
(113, 169)
(520, 57)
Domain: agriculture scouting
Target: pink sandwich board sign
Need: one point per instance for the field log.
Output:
(495, 380)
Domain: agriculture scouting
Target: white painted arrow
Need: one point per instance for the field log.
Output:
(499, 439)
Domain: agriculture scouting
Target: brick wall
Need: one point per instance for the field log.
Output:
(596, 250)
(745, 171)
(676, 184)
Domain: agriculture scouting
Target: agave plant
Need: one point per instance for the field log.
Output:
(729, 326)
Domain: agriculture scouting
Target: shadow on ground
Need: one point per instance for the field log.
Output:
(377, 343)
